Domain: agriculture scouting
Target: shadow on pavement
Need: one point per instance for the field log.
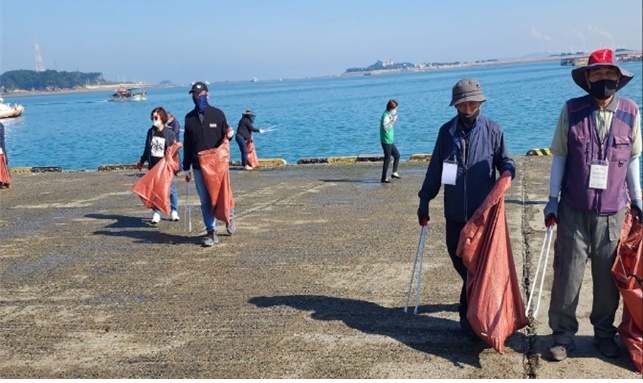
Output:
(585, 348)
(122, 221)
(141, 236)
(420, 332)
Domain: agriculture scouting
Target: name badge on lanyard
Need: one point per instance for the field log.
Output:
(449, 172)
(598, 175)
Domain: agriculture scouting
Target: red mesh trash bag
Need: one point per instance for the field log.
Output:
(154, 187)
(628, 275)
(495, 308)
(5, 177)
(253, 161)
(215, 167)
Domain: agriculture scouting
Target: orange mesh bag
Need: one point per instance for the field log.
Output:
(215, 166)
(495, 308)
(253, 161)
(154, 187)
(628, 275)
(5, 177)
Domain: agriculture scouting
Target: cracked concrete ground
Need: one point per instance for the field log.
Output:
(312, 285)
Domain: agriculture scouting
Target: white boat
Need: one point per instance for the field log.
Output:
(131, 94)
(9, 111)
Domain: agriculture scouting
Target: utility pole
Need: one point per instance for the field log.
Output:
(40, 67)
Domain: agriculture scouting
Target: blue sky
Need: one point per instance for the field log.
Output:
(217, 40)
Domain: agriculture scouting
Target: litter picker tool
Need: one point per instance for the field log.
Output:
(418, 254)
(551, 222)
(270, 129)
(187, 226)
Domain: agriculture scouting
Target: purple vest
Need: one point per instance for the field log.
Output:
(583, 148)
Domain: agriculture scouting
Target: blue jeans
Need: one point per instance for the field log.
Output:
(242, 148)
(206, 202)
(174, 199)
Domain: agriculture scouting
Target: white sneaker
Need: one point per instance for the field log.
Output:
(174, 216)
(248, 167)
(156, 218)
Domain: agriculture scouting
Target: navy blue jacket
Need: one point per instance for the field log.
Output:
(477, 164)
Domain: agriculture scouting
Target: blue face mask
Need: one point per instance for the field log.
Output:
(201, 102)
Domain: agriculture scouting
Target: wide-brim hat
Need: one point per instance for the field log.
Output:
(198, 87)
(465, 90)
(248, 112)
(600, 58)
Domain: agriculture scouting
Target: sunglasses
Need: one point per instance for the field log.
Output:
(154, 118)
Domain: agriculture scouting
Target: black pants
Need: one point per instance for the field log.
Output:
(453, 230)
(390, 149)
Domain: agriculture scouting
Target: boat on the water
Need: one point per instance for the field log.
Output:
(131, 94)
(9, 111)
(574, 61)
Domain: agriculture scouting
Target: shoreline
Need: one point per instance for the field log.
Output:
(88, 89)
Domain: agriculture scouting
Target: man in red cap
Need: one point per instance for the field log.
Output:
(596, 149)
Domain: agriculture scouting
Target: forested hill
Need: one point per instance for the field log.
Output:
(48, 80)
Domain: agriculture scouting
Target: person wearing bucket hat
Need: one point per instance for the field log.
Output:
(205, 128)
(244, 134)
(469, 152)
(596, 149)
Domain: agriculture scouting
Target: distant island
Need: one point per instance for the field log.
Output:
(29, 82)
(388, 66)
(48, 80)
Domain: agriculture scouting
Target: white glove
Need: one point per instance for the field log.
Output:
(261, 131)
(229, 134)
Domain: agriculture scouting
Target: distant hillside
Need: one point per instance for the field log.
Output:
(382, 65)
(49, 80)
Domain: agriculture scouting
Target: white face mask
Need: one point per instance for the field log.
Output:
(158, 123)
(394, 112)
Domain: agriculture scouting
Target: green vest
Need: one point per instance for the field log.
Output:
(386, 136)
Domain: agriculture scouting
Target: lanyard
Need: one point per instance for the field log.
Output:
(594, 136)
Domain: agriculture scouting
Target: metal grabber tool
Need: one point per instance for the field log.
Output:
(187, 226)
(551, 223)
(418, 254)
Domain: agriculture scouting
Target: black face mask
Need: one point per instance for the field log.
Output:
(469, 119)
(602, 89)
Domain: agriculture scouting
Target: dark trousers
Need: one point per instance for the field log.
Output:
(242, 148)
(453, 230)
(390, 149)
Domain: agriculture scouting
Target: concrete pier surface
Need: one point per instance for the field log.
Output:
(312, 285)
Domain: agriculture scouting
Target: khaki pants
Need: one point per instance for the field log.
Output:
(582, 236)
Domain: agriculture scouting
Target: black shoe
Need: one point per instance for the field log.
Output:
(607, 347)
(386, 181)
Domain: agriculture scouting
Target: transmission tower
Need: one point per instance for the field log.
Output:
(40, 67)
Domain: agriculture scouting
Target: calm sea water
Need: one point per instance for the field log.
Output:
(312, 117)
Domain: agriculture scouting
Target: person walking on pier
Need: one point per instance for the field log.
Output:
(158, 139)
(386, 138)
(470, 148)
(596, 150)
(5, 176)
(205, 145)
(244, 135)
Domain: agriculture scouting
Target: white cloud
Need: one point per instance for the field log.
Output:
(538, 35)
